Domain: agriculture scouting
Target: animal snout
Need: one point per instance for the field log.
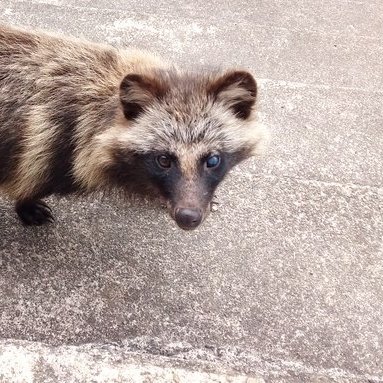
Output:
(188, 218)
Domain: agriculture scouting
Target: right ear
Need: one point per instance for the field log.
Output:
(138, 91)
(238, 90)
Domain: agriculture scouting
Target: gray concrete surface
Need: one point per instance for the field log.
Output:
(285, 282)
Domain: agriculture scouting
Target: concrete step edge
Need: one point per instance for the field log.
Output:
(34, 362)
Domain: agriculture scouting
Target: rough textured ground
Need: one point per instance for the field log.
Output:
(285, 282)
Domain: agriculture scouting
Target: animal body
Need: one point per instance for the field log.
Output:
(77, 117)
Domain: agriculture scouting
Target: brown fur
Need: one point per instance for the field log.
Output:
(77, 116)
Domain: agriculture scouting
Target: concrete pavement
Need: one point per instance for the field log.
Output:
(284, 282)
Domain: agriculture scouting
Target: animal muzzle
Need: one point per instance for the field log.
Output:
(189, 204)
(188, 218)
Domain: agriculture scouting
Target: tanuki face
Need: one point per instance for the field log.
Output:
(182, 134)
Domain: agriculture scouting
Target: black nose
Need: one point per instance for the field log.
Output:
(188, 218)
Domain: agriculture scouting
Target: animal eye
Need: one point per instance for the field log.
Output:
(164, 161)
(213, 161)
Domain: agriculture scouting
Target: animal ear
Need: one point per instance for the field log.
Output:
(137, 92)
(238, 90)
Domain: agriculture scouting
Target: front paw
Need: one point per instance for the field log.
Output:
(34, 213)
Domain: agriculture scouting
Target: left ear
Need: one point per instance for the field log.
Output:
(137, 92)
(238, 90)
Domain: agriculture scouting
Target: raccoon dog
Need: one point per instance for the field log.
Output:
(77, 117)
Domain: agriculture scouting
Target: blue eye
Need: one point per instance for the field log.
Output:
(213, 161)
